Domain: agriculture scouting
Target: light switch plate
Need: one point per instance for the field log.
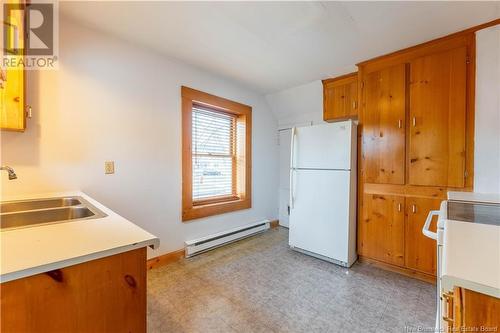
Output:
(109, 167)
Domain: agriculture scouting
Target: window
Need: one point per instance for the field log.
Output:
(216, 163)
(214, 154)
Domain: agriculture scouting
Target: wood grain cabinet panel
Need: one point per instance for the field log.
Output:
(438, 115)
(420, 251)
(416, 141)
(12, 80)
(103, 295)
(340, 98)
(470, 311)
(12, 115)
(383, 141)
(381, 231)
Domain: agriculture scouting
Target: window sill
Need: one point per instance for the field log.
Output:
(215, 200)
(210, 209)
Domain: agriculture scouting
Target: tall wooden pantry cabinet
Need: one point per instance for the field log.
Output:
(416, 127)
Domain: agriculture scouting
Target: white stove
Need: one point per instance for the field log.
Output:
(461, 207)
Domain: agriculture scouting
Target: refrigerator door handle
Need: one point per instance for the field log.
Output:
(292, 167)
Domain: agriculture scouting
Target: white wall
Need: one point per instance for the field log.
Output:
(111, 100)
(297, 105)
(487, 124)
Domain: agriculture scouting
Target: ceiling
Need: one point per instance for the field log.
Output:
(271, 46)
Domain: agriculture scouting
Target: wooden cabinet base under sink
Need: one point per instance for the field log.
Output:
(102, 295)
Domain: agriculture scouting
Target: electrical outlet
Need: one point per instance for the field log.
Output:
(109, 167)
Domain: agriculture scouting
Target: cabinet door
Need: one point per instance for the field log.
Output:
(476, 309)
(102, 295)
(420, 251)
(340, 98)
(12, 111)
(351, 99)
(12, 100)
(383, 137)
(381, 231)
(437, 112)
(332, 106)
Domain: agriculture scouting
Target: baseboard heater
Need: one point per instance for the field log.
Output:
(203, 244)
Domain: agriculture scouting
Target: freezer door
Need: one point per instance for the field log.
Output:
(321, 213)
(325, 146)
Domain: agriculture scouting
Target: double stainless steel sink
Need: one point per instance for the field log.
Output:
(30, 213)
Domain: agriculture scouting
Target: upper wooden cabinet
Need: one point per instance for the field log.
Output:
(340, 97)
(438, 113)
(12, 81)
(12, 100)
(414, 121)
(384, 117)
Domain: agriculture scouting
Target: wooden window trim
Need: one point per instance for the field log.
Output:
(220, 205)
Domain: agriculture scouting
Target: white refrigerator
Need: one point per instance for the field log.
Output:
(323, 191)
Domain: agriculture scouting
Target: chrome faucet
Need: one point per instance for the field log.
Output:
(12, 173)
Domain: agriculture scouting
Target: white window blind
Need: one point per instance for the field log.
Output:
(214, 154)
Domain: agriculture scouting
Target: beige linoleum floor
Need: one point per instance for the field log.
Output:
(260, 285)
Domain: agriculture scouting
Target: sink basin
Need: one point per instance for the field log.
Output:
(23, 219)
(30, 213)
(17, 206)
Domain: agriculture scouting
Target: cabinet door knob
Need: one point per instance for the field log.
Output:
(56, 275)
(400, 123)
(130, 280)
(399, 207)
(414, 208)
(414, 121)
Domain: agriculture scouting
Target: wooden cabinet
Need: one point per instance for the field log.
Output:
(416, 130)
(340, 97)
(467, 310)
(381, 231)
(103, 295)
(391, 231)
(436, 145)
(12, 78)
(437, 113)
(420, 251)
(384, 117)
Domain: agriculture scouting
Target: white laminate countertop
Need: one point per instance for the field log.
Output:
(34, 250)
(471, 257)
